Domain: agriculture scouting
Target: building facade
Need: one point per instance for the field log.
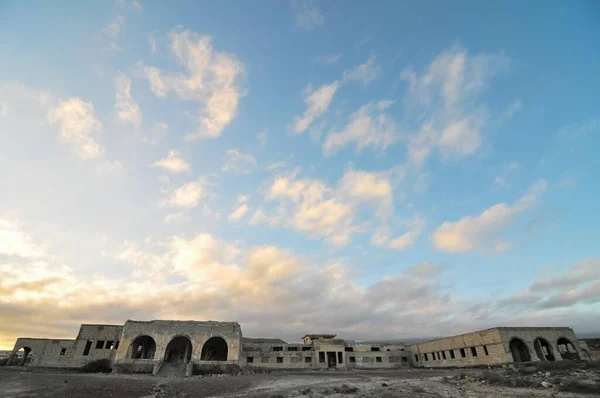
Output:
(499, 346)
(186, 347)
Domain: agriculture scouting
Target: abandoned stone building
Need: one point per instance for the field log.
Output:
(500, 346)
(185, 347)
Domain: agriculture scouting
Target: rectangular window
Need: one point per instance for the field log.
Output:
(63, 351)
(279, 359)
(117, 345)
(416, 358)
(352, 359)
(88, 346)
(378, 359)
(292, 348)
(348, 349)
(321, 357)
(463, 354)
(306, 348)
(250, 359)
(474, 351)
(444, 355)
(277, 348)
(308, 359)
(427, 359)
(99, 344)
(452, 356)
(109, 345)
(486, 350)
(340, 357)
(374, 348)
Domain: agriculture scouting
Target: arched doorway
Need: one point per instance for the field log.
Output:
(143, 347)
(543, 349)
(179, 350)
(519, 350)
(21, 357)
(215, 349)
(567, 349)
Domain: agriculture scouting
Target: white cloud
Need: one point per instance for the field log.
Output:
(329, 59)
(239, 162)
(317, 102)
(108, 166)
(126, 108)
(239, 212)
(173, 163)
(14, 241)
(312, 207)
(415, 226)
(263, 137)
(3, 109)
(369, 126)
(77, 124)
(308, 16)
(186, 196)
(211, 78)
(153, 44)
(113, 29)
(365, 73)
(445, 96)
(472, 232)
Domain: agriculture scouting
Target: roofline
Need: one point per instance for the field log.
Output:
(494, 328)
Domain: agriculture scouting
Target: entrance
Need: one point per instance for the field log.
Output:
(543, 349)
(331, 359)
(179, 350)
(519, 350)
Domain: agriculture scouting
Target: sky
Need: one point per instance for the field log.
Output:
(378, 170)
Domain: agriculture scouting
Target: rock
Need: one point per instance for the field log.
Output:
(548, 374)
(384, 384)
(546, 384)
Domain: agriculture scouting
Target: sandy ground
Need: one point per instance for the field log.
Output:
(23, 382)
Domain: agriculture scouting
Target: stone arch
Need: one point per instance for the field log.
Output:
(567, 349)
(215, 349)
(519, 350)
(179, 350)
(543, 349)
(27, 358)
(142, 347)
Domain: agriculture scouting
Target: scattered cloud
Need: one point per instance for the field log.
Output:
(239, 162)
(126, 108)
(317, 102)
(186, 196)
(263, 137)
(108, 166)
(114, 28)
(369, 126)
(445, 95)
(308, 16)
(210, 78)
(365, 73)
(77, 125)
(312, 207)
(506, 172)
(329, 59)
(3, 109)
(173, 163)
(415, 228)
(239, 212)
(153, 44)
(472, 232)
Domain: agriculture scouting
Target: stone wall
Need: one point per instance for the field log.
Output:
(490, 347)
(163, 332)
(280, 356)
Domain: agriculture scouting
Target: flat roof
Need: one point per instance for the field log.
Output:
(319, 335)
(494, 328)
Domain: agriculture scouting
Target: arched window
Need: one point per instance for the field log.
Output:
(215, 349)
(543, 349)
(179, 350)
(519, 350)
(143, 347)
(567, 349)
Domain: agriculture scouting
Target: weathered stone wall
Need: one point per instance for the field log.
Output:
(291, 356)
(487, 347)
(37, 347)
(440, 352)
(372, 356)
(591, 349)
(164, 331)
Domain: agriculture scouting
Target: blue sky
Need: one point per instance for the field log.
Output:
(376, 170)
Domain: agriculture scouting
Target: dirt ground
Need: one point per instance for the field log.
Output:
(18, 382)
